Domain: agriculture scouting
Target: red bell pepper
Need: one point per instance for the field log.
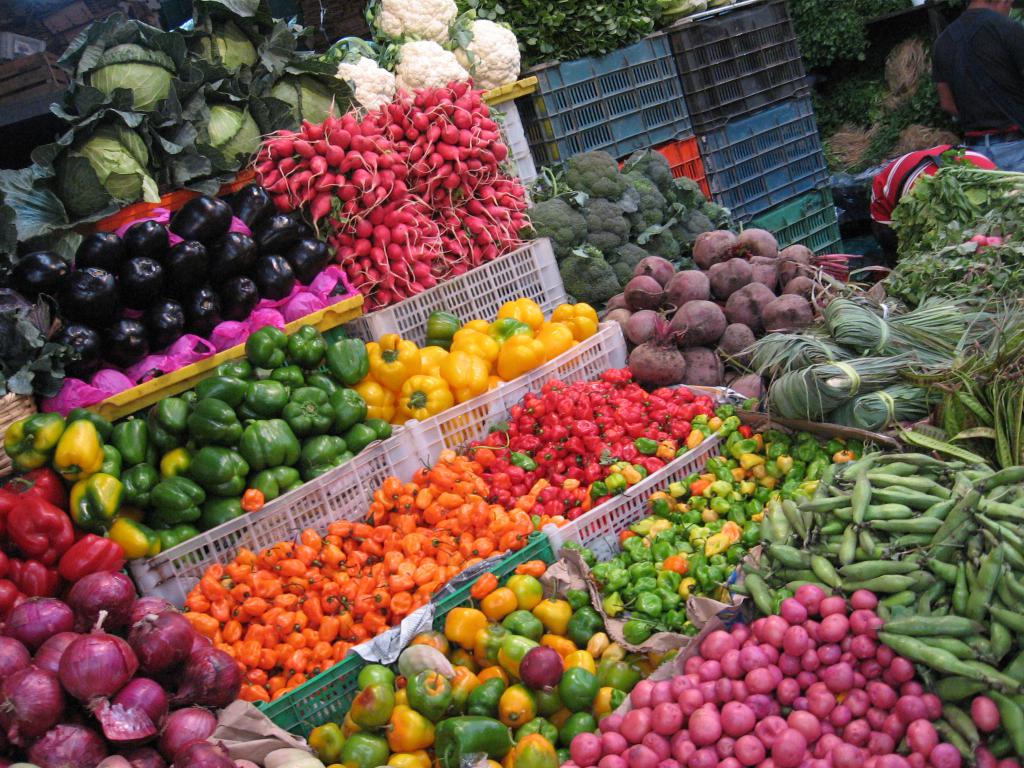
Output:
(8, 501)
(40, 530)
(42, 483)
(5, 564)
(33, 578)
(9, 594)
(91, 554)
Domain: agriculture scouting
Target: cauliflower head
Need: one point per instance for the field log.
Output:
(372, 85)
(595, 173)
(425, 64)
(416, 19)
(558, 220)
(492, 56)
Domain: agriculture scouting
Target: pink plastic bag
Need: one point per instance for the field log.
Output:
(76, 393)
(231, 333)
(186, 350)
(302, 304)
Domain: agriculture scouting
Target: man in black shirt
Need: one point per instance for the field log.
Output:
(978, 68)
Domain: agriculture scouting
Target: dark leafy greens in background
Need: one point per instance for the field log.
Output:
(29, 363)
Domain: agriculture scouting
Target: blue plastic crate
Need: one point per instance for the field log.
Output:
(626, 100)
(809, 220)
(766, 159)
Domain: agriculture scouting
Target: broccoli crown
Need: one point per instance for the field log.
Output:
(607, 226)
(625, 259)
(664, 245)
(720, 217)
(687, 192)
(651, 204)
(588, 277)
(595, 173)
(653, 165)
(559, 221)
(697, 222)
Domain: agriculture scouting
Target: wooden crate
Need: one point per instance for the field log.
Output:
(332, 20)
(31, 77)
(70, 17)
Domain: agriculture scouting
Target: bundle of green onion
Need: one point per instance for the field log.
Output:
(779, 353)
(813, 392)
(877, 410)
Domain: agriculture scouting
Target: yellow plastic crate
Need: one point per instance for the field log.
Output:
(515, 90)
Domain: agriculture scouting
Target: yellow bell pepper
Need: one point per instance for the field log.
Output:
(418, 759)
(603, 704)
(393, 360)
(553, 614)
(380, 402)
(136, 539)
(582, 318)
(462, 624)
(556, 338)
(493, 382)
(466, 375)
(476, 343)
(524, 310)
(175, 462)
(598, 644)
(431, 360)
(409, 731)
(518, 355)
(562, 645)
(580, 659)
(30, 442)
(480, 326)
(327, 740)
(499, 604)
(424, 396)
(79, 451)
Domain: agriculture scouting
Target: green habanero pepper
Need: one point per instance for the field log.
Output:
(138, 482)
(103, 427)
(227, 388)
(276, 481)
(131, 438)
(615, 483)
(669, 580)
(172, 537)
(322, 381)
(646, 446)
(584, 624)
(523, 461)
(617, 579)
(239, 369)
(598, 489)
(289, 375)
(307, 347)
(612, 604)
(266, 398)
(111, 461)
(266, 347)
(321, 454)
(213, 422)
(218, 510)
(358, 437)
(269, 443)
(441, 327)
(219, 471)
(309, 412)
(174, 501)
(636, 631)
(348, 361)
(669, 600)
(541, 726)
(648, 603)
(349, 409)
(577, 598)
(662, 549)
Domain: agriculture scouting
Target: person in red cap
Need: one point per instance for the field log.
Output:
(899, 177)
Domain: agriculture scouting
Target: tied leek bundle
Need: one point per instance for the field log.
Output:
(779, 353)
(877, 410)
(813, 392)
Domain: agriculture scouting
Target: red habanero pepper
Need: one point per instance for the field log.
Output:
(9, 594)
(5, 564)
(40, 530)
(745, 430)
(33, 578)
(42, 483)
(91, 554)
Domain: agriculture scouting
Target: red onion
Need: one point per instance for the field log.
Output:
(145, 757)
(115, 761)
(144, 606)
(212, 679)
(203, 754)
(38, 618)
(200, 642)
(124, 725)
(13, 656)
(161, 641)
(183, 726)
(103, 593)
(145, 694)
(97, 665)
(31, 702)
(49, 654)
(68, 746)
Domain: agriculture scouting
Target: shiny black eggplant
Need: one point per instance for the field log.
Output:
(140, 282)
(186, 267)
(232, 255)
(38, 273)
(86, 348)
(147, 238)
(277, 233)
(89, 296)
(202, 218)
(274, 276)
(101, 249)
(308, 258)
(239, 297)
(251, 204)
(202, 311)
(125, 342)
(165, 322)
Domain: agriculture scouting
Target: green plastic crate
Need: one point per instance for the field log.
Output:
(809, 220)
(328, 696)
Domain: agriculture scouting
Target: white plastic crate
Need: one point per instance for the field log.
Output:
(530, 271)
(471, 420)
(344, 493)
(514, 136)
(599, 528)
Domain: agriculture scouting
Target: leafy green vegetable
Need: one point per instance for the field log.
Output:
(233, 131)
(228, 46)
(147, 74)
(29, 364)
(308, 98)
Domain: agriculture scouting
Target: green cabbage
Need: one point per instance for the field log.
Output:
(229, 46)
(146, 73)
(118, 159)
(233, 131)
(309, 99)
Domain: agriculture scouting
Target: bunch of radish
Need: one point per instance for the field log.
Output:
(407, 195)
(809, 688)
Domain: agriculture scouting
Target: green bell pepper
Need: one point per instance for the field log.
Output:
(578, 722)
(584, 624)
(618, 674)
(456, 738)
(380, 428)
(172, 537)
(321, 454)
(524, 624)
(103, 427)
(349, 409)
(441, 327)
(174, 501)
(131, 438)
(309, 412)
(364, 750)
(648, 603)
(269, 443)
(538, 725)
(93, 502)
(239, 369)
(289, 375)
(612, 604)
(168, 423)
(266, 347)
(504, 329)
(358, 436)
(348, 361)
(220, 471)
(430, 694)
(227, 388)
(266, 398)
(111, 461)
(322, 381)
(276, 481)
(483, 700)
(213, 422)
(636, 631)
(139, 482)
(218, 510)
(307, 347)
(578, 687)
(577, 598)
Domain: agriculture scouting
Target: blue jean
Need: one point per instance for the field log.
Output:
(1007, 155)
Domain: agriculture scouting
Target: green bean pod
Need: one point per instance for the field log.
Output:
(945, 571)
(958, 688)
(760, 593)
(874, 568)
(1012, 720)
(922, 626)
(789, 557)
(918, 525)
(987, 575)
(949, 734)
(860, 497)
(825, 572)
(887, 584)
(953, 645)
